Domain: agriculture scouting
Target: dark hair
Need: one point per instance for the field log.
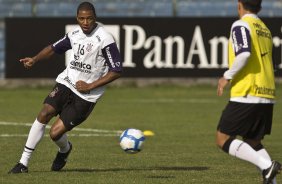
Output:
(253, 6)
(86, 6)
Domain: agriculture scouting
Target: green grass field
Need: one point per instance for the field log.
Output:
(182, 151)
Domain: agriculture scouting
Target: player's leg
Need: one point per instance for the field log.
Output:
(35, 135)
(262, 127)
(265, 154)
(73, 114)
(241, 150)
(259, 148)
(252, 122)
(59, 136)
(53, 104)
(239, 119)
(244, 151)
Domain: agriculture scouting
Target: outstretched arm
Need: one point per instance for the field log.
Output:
(45, 53)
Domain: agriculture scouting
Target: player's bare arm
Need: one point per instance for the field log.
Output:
(45, 53)
(84, 87)
(222, 82)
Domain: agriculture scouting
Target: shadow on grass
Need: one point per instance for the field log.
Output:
(137, 169)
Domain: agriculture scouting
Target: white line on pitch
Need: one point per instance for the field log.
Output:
(69, 135)
(168, 100)
(75, 129)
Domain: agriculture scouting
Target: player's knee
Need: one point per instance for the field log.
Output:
(56, 131)
(45, 115)
(219, 142)
(221, 139)
(54, 135)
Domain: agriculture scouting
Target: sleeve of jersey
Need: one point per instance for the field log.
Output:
(242, 47)
(62, 45)
(241, 39)
(112, 56)
(239, 63)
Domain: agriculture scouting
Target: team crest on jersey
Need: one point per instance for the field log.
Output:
(54, 92)
(89, 47)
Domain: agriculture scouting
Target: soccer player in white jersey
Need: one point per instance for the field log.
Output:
(249, 111)
(95, 62)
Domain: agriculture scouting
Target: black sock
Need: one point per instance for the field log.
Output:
(226, 145)
(258, 147)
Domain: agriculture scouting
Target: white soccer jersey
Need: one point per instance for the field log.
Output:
(93, 56)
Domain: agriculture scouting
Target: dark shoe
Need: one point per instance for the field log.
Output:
(60, 160)
(18, 168)
(270, 173)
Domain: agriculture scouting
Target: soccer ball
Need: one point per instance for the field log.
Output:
(131, 140)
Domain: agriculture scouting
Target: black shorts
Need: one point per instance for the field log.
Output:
(72, 109)
(251, 121)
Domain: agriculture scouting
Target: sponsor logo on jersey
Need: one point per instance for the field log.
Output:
(264, 90)
(80, 66)
(244, 37)
(76, 31)
(67, 79)
(235, 43)
(110, 57)
(263, 54)
(98, 38)
(262, 31)
(117, 64)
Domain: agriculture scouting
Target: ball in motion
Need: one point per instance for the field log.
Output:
(131, 140)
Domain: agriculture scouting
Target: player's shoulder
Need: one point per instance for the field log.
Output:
(75, 31)
(240, 23)
(102, 32)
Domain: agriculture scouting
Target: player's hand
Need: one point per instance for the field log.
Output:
(222, 82)
(82, 86)
(27, 62)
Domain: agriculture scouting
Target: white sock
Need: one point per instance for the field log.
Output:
(245, 152)
(35, 135)
(63, 144)
(265, 155)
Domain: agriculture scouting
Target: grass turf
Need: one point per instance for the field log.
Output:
(183, 149)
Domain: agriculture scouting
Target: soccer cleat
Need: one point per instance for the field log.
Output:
(18, 168)
(270, 173)
(60, 160)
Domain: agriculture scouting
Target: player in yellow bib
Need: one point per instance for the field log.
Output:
(249, 112)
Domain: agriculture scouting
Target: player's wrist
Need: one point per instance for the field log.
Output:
(34, 59)
(227, 79)
(227, 76)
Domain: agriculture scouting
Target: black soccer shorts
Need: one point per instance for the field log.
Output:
(72, 109)
(251, 121)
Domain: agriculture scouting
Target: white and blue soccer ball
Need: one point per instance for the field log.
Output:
(131, 140)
